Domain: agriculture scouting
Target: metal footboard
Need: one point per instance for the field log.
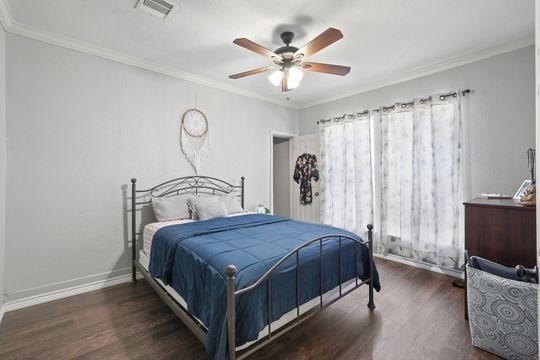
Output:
(209, 185)
(232, 293)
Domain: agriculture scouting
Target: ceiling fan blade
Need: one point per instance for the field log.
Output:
(250, 72)
(328, 37)
(285, 80)
(326, 68)
(250, 45)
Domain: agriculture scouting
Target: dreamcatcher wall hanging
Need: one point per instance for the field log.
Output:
(194, 137)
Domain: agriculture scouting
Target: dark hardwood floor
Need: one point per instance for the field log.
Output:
(419, 315)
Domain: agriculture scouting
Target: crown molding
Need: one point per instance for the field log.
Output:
(12, 26)
(428, 70)
(72, 44)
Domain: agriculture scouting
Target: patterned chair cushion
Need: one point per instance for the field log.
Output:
(503, 315)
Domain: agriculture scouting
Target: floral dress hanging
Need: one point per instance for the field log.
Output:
(194, 137)
(305, 169)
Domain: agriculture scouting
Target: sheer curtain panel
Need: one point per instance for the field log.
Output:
(346, 173)
(420, 192)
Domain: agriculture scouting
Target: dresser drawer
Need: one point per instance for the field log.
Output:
(502, 231)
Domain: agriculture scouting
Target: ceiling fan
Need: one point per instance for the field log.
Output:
(291, 59)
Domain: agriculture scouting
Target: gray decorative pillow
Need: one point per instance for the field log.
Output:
(193, 201)
(210, 210)
(232, 204)
(170, 208)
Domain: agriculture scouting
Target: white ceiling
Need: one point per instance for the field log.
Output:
(384, 40)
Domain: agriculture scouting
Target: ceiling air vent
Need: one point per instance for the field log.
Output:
(160, 8)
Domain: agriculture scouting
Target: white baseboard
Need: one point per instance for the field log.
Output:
(116, 280)
(63, 293)
(422, 265)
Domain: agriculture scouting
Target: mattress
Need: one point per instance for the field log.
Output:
(144, 260)
(152, 228)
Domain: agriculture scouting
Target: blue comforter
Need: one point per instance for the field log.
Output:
(192, 257)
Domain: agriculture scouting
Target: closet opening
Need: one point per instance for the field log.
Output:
(281, 174)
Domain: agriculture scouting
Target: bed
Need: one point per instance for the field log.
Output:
(239, 282)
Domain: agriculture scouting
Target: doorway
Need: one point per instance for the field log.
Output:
(281, 175)
(284, 192)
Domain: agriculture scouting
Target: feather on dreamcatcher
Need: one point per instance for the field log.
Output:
(194, 137)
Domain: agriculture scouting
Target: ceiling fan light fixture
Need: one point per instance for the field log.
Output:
(275, 77)
(295, 76)
(291, 60)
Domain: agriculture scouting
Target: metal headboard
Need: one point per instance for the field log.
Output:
(194, 185)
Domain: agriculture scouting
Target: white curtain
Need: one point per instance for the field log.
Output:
(420, 174)
(345, 173)
(415, 194)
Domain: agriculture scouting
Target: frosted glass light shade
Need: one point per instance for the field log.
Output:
(295, 75)
(275, 77)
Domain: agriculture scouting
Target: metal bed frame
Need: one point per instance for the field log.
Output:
(209, 185)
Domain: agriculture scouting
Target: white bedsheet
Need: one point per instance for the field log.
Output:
(152, 228)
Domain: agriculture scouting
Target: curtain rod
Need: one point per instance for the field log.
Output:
(386, 108)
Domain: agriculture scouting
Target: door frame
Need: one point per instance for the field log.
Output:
(278, 134)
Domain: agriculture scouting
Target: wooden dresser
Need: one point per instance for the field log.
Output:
(501, 230)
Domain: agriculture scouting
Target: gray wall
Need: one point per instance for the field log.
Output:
(498, 118)
(2, 163)
(80, 127)
(282, 179)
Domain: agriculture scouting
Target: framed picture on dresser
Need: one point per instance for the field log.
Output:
(522, 189)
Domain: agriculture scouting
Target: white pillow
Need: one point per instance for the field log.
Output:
(170, 208)
(210, 210)
(193, 201)
(232, 204)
